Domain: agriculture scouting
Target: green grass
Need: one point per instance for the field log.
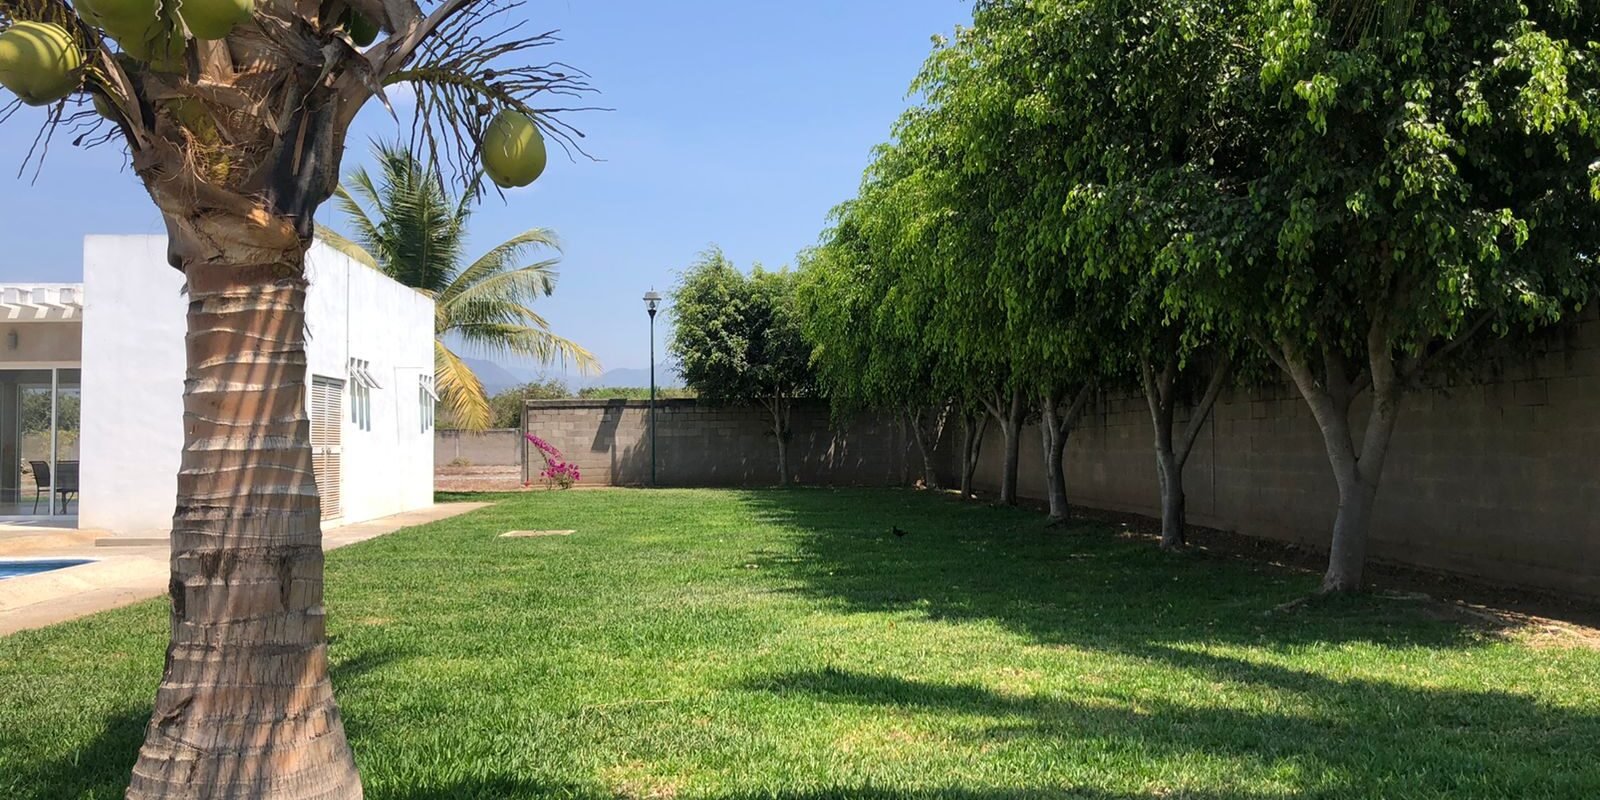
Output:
(782, 645)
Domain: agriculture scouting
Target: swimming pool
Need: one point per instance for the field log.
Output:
(17, 569)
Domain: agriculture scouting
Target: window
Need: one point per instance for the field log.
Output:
(426, 397)
(361, 385)
(327, 395)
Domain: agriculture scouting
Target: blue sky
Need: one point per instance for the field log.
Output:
(735, 122)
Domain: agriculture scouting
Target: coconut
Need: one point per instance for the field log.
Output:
(362, 31)
(513, 150)
(214, 19)
(122, 18)
(161, 46)
(39, 62)
(143, 28)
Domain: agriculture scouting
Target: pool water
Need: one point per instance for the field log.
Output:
(16, 569)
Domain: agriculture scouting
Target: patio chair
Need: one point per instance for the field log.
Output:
(65, 483)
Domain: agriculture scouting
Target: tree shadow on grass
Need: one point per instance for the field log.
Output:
(102, 767)
(1081, 586)
(1366, 738)
(1091, 589)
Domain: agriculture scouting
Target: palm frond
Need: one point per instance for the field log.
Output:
(500, 258)
(502, 339)
(459, 389)
(516, 287)
(334, 239)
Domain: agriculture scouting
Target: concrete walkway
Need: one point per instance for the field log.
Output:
(124, 575)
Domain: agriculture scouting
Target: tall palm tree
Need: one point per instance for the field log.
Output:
(235, 121)
(407, 225)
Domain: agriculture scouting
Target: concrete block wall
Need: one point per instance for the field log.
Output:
(497, 447)
(699, 444)
(1496, 479)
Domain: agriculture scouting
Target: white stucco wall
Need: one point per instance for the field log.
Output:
(133, 366)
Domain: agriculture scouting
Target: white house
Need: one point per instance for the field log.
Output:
(91, 383)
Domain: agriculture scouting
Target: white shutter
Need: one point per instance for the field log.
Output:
(327, 452)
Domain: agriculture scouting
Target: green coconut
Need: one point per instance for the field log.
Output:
(214, 19)
(122, 18)
(160, 46)
(143, 28)
(513, 150)
(362, 31)
(39, 62)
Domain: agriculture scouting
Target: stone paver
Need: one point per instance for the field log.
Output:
(124, 575)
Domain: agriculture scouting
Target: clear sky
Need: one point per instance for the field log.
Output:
(736, 122)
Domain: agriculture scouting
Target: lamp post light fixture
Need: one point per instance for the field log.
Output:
(652, 301)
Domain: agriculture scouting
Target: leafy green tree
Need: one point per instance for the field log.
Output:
(868, 333)
(506, 406)
(737, 339)
(1395, 197)
(1098, 112)
(634, 393)
(407, 225)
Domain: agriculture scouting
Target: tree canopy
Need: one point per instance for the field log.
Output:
(1352, 190)
(408, 225)
(737, 339)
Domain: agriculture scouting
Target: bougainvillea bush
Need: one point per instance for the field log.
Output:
(557, 472)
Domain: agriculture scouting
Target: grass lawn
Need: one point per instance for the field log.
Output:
(781, 644)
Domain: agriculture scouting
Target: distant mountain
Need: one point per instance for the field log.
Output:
(498, 377)
(666, 375)
(495, 378)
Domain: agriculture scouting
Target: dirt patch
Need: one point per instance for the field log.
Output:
(477, 479)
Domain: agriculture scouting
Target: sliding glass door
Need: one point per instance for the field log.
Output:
(39, 425)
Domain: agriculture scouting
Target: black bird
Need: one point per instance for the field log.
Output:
(897, 532)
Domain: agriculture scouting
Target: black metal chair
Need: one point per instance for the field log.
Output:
(64, 485)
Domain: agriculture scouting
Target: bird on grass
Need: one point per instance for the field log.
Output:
(897, 532)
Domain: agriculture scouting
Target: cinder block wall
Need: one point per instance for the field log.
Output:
(496, 447)
(1498, 479)
(700, 444)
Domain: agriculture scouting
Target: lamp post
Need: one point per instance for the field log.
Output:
(652, 301)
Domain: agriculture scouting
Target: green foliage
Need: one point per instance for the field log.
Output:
(634, 393)
(737, 337)
(1389, 194)
(416, 233)
(506, 406)
(35, 416)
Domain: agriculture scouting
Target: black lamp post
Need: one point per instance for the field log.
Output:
(652, 301)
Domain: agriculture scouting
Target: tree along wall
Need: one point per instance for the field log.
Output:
(699, 444)
(1497, 479)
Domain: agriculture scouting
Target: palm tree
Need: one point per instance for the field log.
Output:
(416, 233)
(235, 121)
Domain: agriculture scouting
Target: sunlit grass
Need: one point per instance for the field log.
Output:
(782, 644)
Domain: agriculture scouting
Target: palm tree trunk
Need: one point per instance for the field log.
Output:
(245, 708)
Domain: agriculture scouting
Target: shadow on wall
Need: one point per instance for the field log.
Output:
(965, 562)
(700, 445)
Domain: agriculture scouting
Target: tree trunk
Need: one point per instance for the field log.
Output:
(1054, 442)
(1056, 427)
(1169, 473)
(1161, 396)
(780, 429)
(1356, 474)
(245, 708)
(973, 427)
(925, 447)
(1011, 425)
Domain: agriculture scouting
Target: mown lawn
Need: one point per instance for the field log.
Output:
(781, 644)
